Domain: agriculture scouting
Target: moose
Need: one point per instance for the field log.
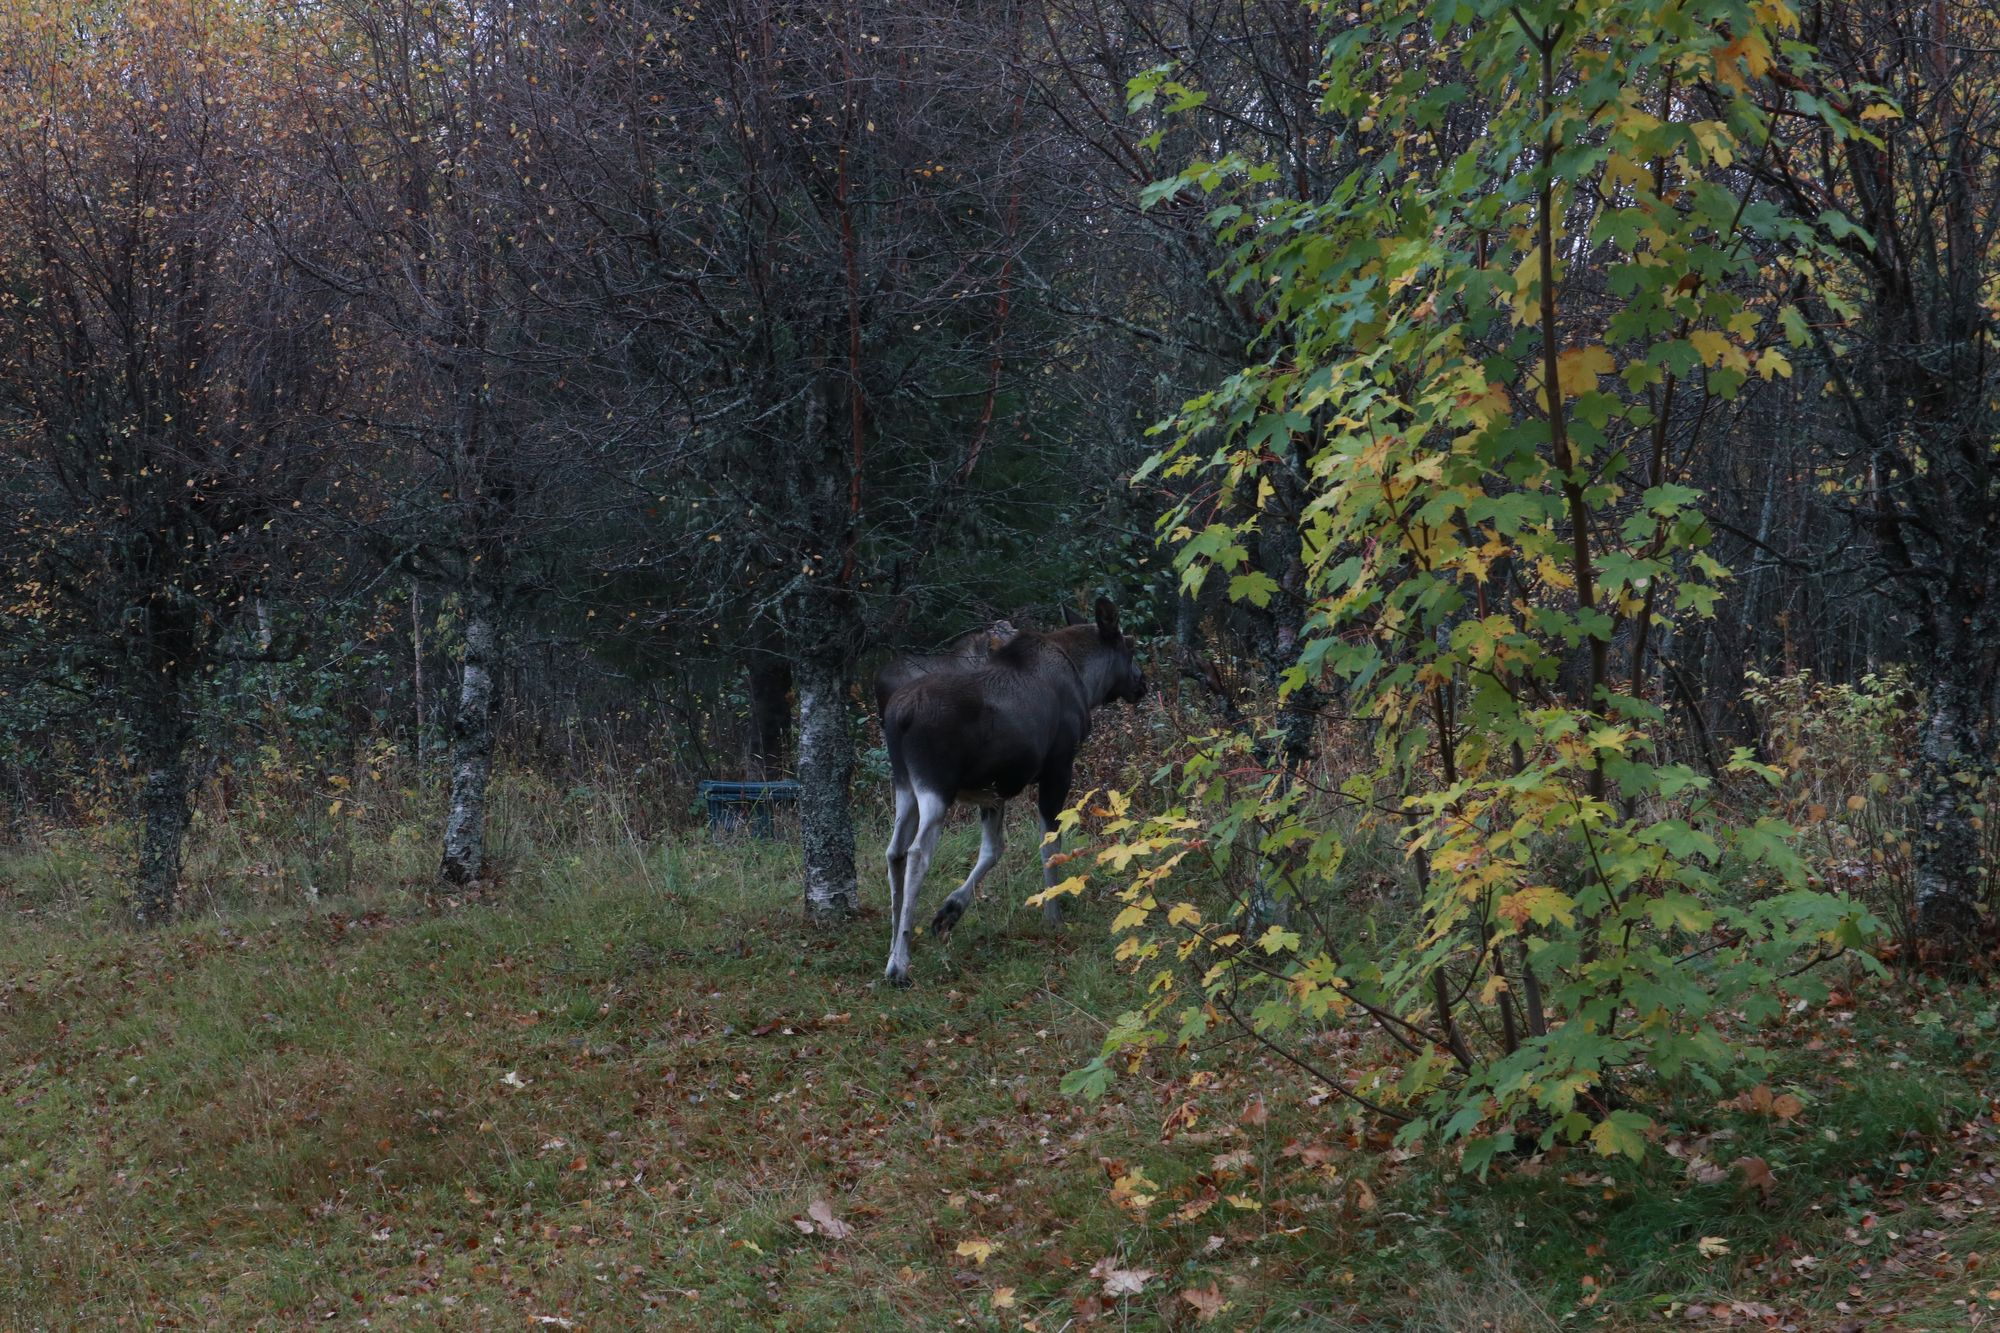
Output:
(981, 732)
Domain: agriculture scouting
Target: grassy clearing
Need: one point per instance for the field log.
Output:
(620, 1095)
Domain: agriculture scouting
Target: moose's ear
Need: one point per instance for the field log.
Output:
(1072, 616)
(1107, 620)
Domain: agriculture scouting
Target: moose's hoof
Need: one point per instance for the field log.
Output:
(900, 979)
(947, 917)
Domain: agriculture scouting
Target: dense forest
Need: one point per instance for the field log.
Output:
(1547, 454)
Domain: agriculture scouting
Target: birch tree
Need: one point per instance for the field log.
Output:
(427, 157)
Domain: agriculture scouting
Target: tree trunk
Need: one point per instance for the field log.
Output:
(826, 772)
(1281, 552)
(472, 747)
(770, 690)
(1950, 764)
(164, 799)
(417, 670)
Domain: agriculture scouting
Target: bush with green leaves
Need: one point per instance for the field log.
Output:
(1850, 754)
(1490, 351)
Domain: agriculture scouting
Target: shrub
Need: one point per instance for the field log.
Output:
(1850, 787)
(1493, 539)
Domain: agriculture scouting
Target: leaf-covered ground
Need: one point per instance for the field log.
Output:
(649, 1097)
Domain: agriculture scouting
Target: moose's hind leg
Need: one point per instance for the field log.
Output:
(930, 822)
(992, 842)
(902, 832)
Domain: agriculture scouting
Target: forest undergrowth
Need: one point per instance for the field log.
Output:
(627, 1087)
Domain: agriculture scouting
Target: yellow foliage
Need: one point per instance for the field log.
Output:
(1131, 918)
(1581, 364)
(979, 1249)
(1073, 885)
(1711, 344)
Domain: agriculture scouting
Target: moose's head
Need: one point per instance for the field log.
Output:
(1128, 682)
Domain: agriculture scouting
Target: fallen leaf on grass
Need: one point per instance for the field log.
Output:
(978, 1249)
(1710, 1247)
(1760, 1100)
(1129, 1191)
(1003, 1298)
(1312, 1154)
(1756, 1171)
(1207, 1301)
(1704, 1172)
(823, 1221)
(1193, 1209)
(1120, 1281)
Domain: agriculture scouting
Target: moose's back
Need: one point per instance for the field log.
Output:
(968, 650)
(987, 727)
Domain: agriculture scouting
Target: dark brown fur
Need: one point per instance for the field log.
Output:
(984, 733)
(967, 650)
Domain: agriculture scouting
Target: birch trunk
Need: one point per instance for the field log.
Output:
(472, 749)
(417, 669)
(1949, 768)
(826, 772)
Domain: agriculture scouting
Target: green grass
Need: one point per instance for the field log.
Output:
(610, 1096)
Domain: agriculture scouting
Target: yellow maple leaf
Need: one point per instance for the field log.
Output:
(1130, 919)
(1622, 170)
(1710, 344)
(1715, 139)
(1776, 14)
(1579, 366)
(1542, 903)
(1073, 885)
(978, 1249)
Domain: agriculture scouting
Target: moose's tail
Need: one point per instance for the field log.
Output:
(895, 730)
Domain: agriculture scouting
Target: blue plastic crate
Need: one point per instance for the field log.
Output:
(736, 806)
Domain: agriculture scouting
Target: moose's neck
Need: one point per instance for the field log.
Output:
(1096, 667)
(1100, 676)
